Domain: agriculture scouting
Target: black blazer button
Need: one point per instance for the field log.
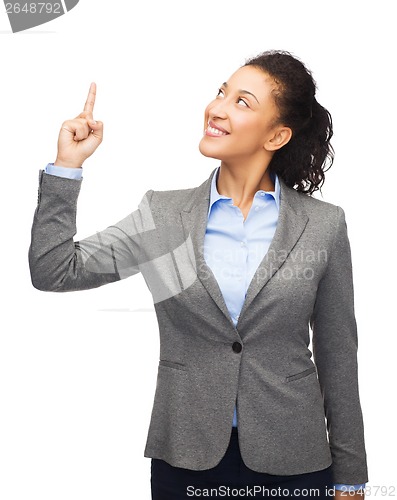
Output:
(237, 347)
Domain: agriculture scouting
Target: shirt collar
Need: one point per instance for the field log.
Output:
(215, 196)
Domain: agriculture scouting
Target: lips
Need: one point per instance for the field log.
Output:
(214, 130)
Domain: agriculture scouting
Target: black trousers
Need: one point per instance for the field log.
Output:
(231, 478)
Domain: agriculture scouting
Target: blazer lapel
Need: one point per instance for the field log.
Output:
(194, 220)
(292, 221)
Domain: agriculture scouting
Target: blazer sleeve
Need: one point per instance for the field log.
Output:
(335, 346)
(59, 264)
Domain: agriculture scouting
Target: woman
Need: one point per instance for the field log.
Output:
(239, 268)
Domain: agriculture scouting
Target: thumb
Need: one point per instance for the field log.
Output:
(97, 128)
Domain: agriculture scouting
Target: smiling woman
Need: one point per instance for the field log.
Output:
(240, 400)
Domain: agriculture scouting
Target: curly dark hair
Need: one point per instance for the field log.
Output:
(302, 162)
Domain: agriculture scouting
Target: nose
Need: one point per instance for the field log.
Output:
(218, 110)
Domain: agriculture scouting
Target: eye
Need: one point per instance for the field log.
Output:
(244, 102)
(220, 93)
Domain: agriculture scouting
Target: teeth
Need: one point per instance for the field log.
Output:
(215, 131)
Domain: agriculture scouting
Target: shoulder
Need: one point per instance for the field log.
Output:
(172, 199)
(324, 217)
(320, 209)
(317, 206)
(166, 205)
(175, 200)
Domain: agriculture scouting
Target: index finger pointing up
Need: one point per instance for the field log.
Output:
(89, 103)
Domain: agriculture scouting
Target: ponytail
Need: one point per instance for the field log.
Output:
(303, 161)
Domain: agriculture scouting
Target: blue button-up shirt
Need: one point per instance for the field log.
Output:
(234, 247)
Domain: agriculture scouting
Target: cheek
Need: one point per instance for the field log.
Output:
(248, 128)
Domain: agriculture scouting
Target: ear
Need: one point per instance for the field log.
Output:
(280, 137)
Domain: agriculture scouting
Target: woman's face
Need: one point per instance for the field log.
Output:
(240, 121)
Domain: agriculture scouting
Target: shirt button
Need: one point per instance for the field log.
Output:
(256, 209)
(242, 243)
(237, 347)
(263, 193)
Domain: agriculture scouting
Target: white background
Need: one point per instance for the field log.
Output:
(78, 370)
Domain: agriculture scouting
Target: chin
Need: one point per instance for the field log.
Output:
(208, 151)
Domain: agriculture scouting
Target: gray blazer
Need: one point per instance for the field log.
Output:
(295, 414)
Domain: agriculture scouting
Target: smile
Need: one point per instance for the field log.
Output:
(213, 131)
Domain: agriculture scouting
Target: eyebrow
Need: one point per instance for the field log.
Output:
(242, 92)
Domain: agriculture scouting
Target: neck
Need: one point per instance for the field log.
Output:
(241, 182)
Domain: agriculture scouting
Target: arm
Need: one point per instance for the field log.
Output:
(335, 353)
(59, 264)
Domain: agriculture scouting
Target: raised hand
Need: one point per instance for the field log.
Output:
(79, 137)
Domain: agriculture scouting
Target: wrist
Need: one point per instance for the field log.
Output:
(60, 162)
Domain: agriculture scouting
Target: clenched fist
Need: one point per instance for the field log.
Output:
(79, 138)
